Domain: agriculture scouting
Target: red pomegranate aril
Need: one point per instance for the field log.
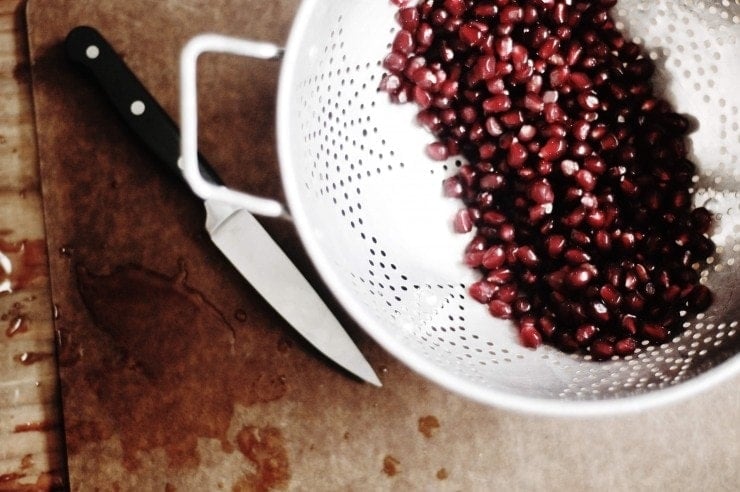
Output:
(655, 332)
(511, 14)
(506, 233)
(533, 102)
(601, 350)
(586, 179)
(701, 220)
(575, 218)
(482, 291)
(548, 47)
(522, 306)
(517, 155)
(500, 276)
(403, 42)
(424, 78)
(437, 151)
(470, 34)
(455, 7)
(580, 277)
(546, 326)
(541, 192)
(529, 336)
(699, 299)
(576, 256)
(625, 346)
(512, 119)
(602, 240)
(553, 149)
(585, 333)
(610, 295)
(494, 257)
(497, 104)
(452, 187)
(408, 18)
(580, 81)
(500, 309)
(527, 257)
(463, 222)
(424, 34)
(395, 62)
(555, 245)
(554, 113)
(526, 133)
(559, 76)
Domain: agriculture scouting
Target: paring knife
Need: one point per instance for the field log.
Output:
(236, 232)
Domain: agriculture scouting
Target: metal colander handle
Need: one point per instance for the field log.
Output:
(215, 43)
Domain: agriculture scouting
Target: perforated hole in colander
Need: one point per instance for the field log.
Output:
(372, 202)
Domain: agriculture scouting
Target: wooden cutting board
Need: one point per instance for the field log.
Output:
(177, 376)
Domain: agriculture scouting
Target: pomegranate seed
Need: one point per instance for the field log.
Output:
(553, 149)
(517, 155)
(482, 291)
(500, 276)
(470, 34)
(555, 245)
(580, 277)
(455, 7)
(585, 333)
(601, 350)
(655, 332)
(493, 258)
(497, 104)
(500, 309)
(463, 222)
(585, 179)
(452, 187)
(625, 346)
(511, 14)
(437, 151)
(408, 18)
(530, 337)
(541, 192)
(404, 42)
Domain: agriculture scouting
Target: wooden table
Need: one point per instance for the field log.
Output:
(31, 443)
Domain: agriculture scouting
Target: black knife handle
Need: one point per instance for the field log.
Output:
(142, 113)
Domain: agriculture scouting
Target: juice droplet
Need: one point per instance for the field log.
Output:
(29, 358)
(390, 465)
(428, 425)
(240, 315)
(17, 325)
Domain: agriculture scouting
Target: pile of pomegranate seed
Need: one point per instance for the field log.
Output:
(576, 181)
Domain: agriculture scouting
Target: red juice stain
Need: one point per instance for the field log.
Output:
(45, 482)
(21, 263)
(442, 474)
(17, 320)
(391, 465)
(166, 370)
(42, 426)
(27, 462)
(428, 425)
(265, 448)
(29, 358)
(17, 325)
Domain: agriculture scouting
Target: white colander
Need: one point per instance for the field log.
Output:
(368, 206)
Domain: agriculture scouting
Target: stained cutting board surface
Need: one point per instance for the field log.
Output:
(177, 376)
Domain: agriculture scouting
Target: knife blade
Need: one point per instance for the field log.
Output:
(236, 232)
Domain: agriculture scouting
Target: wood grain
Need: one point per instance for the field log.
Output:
(31, 444)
